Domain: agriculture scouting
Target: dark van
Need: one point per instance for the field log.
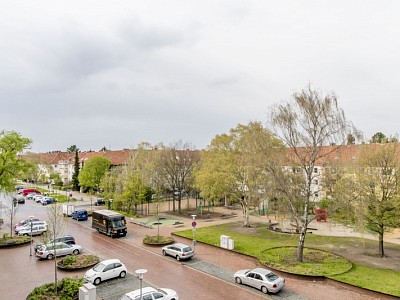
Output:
(80, 215)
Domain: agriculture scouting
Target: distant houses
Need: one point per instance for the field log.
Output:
(62, 163)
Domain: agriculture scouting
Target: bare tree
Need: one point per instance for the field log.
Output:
(175, 165)
(306, 124)
(55, 227)
(11, 209)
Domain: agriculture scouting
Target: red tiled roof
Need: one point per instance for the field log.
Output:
(117, 157)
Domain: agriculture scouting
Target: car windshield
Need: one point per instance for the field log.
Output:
(161, 291)
(99, 267)
(271, 277)
(118, 223)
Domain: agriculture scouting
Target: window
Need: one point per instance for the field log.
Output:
(158, 295)
(315, 181)
(315, 170)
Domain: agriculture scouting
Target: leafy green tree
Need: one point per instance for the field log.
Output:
(370, 194)
(56, 179)
(75, 175)
(307, 123)
(93, 171)
(378, 138)
(12, 166)
(234, 166)
(135, 191)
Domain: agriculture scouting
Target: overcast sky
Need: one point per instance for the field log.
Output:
(118, 73)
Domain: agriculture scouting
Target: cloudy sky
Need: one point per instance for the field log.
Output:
(118, 73)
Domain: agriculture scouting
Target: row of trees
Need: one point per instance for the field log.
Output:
(246, 166)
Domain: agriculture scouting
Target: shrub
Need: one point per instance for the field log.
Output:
(68, 289)
(158, 240)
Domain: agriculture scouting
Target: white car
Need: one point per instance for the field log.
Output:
(149, 293)
(105, 270)
(262, 279)
(27, 226)
(49, 251)
(35, 230)
(37, 198)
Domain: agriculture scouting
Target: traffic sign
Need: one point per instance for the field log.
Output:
(194, 224)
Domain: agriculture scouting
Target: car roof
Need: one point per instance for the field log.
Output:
(180, 245)
(136, 293)
(261, 271)
(110, 261)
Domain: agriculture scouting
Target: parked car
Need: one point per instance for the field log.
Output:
(30, 196)
(19, 187)
(67, 239)
(49, 251)
(19, 199)
(260, 278)
(80, 215)
(48, 200)
(27, 226)
(105, 270)
(99, 201)
(37, 198)
(178, 250)
(35, 230)
(24, 222)
(150, 293)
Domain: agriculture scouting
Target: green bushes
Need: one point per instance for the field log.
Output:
(68, 289)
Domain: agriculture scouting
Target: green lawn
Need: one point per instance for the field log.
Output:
(278, 251)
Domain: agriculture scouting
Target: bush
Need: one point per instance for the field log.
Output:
(68, 289)
(78, 261)
(158, 240)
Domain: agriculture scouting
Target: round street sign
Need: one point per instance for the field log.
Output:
(194, 224)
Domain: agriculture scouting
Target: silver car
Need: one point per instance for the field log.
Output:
(49, 251)
(262, 279)
(178, 250)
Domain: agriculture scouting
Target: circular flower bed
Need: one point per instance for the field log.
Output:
(7, 241)
(158, 240)
(73, 262)
(316, 262)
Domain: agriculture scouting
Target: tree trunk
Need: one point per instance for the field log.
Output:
(246, 218)
(303, 233)
(381, 250)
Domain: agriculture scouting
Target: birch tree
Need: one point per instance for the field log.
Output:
(307, 123)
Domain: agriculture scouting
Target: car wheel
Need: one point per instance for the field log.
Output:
(25, 234)
(178, 258)
(97, 281)
(50, 256)
(264, 289)
(122, 274)
(164, 252)
(75, 252)
(238, 280)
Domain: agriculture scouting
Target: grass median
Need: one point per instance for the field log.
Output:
(278, 251)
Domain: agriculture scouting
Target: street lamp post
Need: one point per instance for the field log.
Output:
(30, 247)
(193, 231)
(140, 274)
